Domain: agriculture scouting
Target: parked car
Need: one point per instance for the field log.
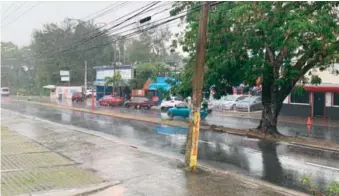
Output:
(250, 103)
(89, 93)
(170, 102)
(183, 110)
(5, 91)
(77, 97)
(140, 102)
(109, 100)
(228, 102)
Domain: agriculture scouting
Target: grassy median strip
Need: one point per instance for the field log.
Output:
(308, 142)
(28, 167)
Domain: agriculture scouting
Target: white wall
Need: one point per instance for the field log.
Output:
(67, 91)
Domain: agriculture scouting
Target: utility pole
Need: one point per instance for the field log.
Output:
(191, 153)
(85, 77)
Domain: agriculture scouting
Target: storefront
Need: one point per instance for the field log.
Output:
(316, 101)
(123, 90)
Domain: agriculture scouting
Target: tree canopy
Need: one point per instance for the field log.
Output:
(278, 41)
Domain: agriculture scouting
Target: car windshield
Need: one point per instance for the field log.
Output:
(249, 99)
(230, 98)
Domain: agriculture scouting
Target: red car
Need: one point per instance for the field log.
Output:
(140, 102)
(78, 96)
(111, 101)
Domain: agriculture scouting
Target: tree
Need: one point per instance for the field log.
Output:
(16, 71)
(149, 46)
(278, 41)
(56, 47)
(148, 71)
(114, 80)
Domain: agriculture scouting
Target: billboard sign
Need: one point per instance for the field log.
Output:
(65, 78)
(64, 73)
(126, 74)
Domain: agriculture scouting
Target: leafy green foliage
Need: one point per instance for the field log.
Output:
(114, 80)
(148, 71)
(278, 41)
(331, 190)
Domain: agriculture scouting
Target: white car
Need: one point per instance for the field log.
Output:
(170, 102)
(5, 91)
(229, 102)
(89, 93)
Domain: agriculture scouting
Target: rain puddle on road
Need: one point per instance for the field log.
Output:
(278, 163)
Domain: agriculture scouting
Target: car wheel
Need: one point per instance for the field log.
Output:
(163, 109)
(148, 107)
(170, 115)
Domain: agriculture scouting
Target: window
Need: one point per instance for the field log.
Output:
(182, 105)
(336, 99)
(300, 97)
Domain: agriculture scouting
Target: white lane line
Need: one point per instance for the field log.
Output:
(251, 139)
(322, 166)
(183, 137)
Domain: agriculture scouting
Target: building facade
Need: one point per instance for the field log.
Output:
(126, 72)
(317, 100)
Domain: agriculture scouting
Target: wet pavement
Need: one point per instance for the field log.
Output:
(131, 170)
(329, 132)
(277, 163)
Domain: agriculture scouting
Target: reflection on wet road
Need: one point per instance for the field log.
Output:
(290, 129)
(277, 163)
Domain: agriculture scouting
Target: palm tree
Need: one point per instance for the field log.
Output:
(114, 80)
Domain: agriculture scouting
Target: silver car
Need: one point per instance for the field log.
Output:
(230, 100)
(251, 103)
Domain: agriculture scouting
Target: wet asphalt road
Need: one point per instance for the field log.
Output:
(290, 129)
(278, 163)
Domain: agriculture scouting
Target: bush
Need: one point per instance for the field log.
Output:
(332, 190)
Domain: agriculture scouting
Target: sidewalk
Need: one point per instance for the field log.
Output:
(281, 119)
(98, 157)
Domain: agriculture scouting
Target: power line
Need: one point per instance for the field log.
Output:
(133, 33)
(9, 7)
(104, 32)
(15, 10)
(108, 11)
(97, 12)
(22, 14)
(97, 29)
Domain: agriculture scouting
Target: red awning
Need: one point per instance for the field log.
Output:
(322, 89)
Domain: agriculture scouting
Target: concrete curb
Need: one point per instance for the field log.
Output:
(239, 132)
(103, 186)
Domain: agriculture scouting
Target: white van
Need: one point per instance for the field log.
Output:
(5, 91)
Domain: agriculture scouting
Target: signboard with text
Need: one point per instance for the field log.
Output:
(64, 73)
(126, 74)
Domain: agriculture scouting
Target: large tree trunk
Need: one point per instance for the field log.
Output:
(269, 119)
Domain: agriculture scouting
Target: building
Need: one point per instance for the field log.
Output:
(317, 100)
(127, 73)
(63, 92)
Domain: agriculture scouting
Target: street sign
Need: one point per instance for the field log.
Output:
(64, 73)
(65, 78)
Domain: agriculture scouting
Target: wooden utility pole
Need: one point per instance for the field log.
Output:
(191, 154)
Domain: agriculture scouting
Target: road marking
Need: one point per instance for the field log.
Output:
(310, 147)
(322, 166)
(252, 139)
(177, 136)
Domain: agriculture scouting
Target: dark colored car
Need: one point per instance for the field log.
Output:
(140, 102)
(78, 96)
(109, 100)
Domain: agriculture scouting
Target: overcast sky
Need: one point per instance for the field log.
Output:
(18, 20)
